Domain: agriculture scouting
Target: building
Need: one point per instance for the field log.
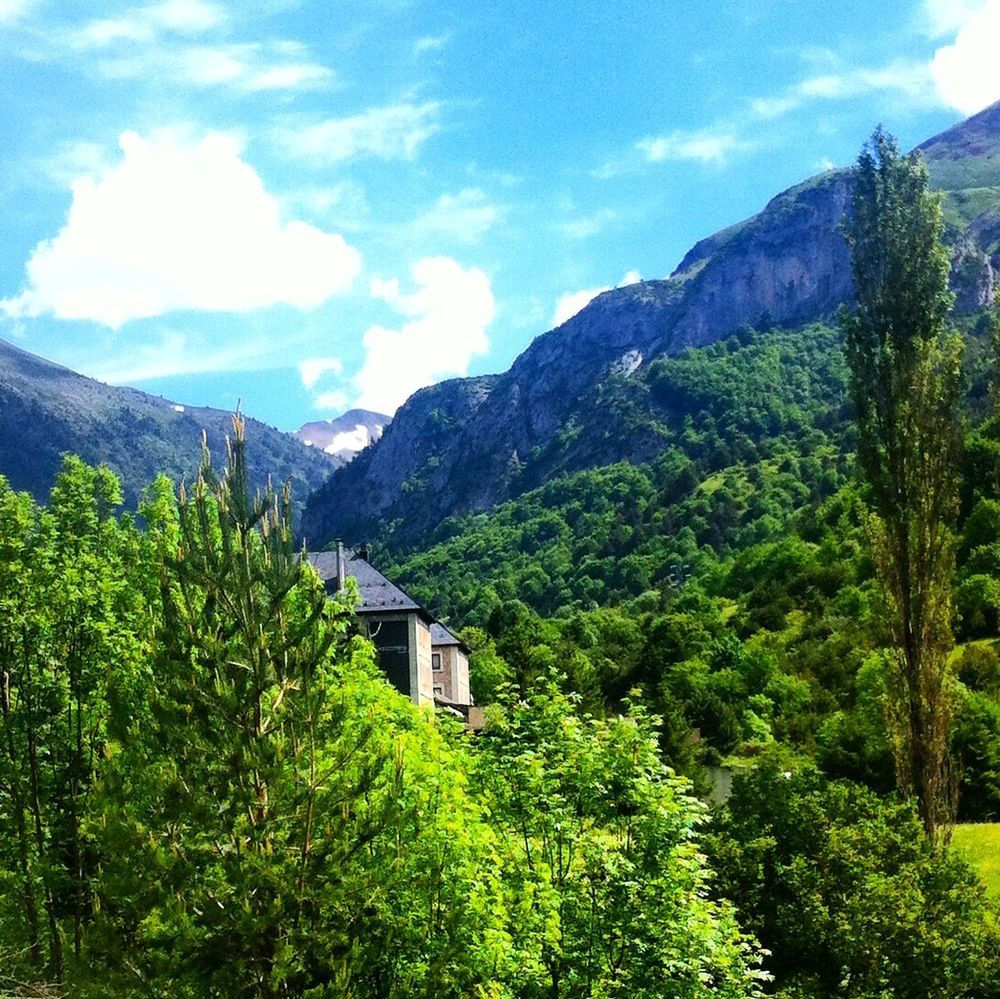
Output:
(449, 666)
(419, 656)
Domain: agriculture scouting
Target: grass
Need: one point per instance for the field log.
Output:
(979, 843)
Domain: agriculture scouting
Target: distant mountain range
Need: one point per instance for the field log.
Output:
(46, 410)
(345, 436)
(468, 444)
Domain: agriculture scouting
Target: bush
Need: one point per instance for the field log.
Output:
(846, 892)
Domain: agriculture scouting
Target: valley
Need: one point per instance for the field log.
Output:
(658, 535)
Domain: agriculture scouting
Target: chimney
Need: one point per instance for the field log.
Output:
(341, 568)
(363, 551)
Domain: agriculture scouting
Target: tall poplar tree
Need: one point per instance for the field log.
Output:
(905, 382)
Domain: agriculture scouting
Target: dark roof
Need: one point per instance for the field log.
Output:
(378, 594)
(440, 635)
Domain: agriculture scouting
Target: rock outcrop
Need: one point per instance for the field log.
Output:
(786, 266)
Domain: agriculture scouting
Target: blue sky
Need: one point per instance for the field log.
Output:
(307, 206)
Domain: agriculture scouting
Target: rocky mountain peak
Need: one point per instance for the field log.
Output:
(786, 266)
(345, 436)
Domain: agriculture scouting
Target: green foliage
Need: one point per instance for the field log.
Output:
(72, 650)
(847, 894)
(277, 821)
(208, 790)
(600, 858)
(905, 384)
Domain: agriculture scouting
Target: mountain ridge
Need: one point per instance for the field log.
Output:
(346, 435)
(47, 409)
(785, 266)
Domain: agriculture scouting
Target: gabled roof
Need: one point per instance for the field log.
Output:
(440, 635)
(378, 594)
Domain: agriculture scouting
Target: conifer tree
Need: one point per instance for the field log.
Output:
(905, 382)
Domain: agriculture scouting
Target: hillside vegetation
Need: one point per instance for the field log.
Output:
(730, 580)
(47, 411)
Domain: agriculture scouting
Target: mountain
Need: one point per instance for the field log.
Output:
(46, 410)
(345, 436)
(468, 444)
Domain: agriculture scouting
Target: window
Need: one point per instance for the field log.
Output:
(392, 642)
(435, 660)
(438, 691)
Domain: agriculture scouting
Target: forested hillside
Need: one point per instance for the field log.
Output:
(730, 579)
(47, 410)
(466, 445)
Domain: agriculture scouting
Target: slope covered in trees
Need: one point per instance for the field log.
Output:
(462, 446)
(731, 579)
(47, 410)
(206, 789)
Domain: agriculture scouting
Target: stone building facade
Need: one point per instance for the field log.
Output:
(418, 655)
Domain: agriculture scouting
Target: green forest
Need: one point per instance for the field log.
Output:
(207, 788)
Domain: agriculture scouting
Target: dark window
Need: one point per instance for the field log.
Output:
(392, 642)
(435, 660)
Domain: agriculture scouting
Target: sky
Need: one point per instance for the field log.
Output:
(300, 207)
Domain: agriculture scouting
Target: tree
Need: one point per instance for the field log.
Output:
(70, 646)
(905, 383)
(275, 819)
(599, 849)
(846, 894)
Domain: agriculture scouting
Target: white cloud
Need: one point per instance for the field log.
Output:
(588, 225)
(186, 17)
(156, 43)
(290, 76)
(907, 78)
(967, 72)
(572, 302)
(207, 66)
(702, 147)
(177, 226)
(175, 352)
(430, 43)
(773, 107)
(251, 67)
(11, 10)
(107, 31)
(314, 368)
(76, 159)
(465, 217)
(945, 17)
(394, 132)
(447, 321)
(336, 400)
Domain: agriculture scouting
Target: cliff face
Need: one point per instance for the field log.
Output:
(786, 266)
(424, 435)
(789, 264)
